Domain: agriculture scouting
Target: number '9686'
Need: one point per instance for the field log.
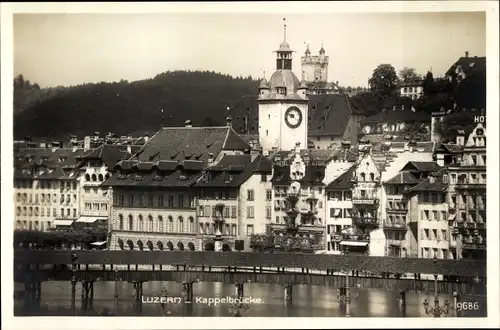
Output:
(467, 306)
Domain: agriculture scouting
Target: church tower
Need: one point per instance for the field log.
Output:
(283, 105)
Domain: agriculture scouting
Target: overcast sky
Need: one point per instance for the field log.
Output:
(70, 49)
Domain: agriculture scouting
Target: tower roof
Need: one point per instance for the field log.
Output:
(263, 83)
(284, 78)
(322, 51)
(308, 52)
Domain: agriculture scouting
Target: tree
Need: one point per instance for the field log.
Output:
(428, 84)
(408, 74)
(383, 80)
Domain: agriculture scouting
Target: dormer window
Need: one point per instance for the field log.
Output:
(281, 90)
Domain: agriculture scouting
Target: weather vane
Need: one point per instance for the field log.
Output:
(284, 29)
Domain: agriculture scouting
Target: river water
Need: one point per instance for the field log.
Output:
(308, 301)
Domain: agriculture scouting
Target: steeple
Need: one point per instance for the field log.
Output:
(322, 50)
(284, 53)
(308, 52)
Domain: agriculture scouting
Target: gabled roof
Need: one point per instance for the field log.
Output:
(427, 185)
(344, 181)
(110, 155)
(421, 166)
(190, 143)
(469, 64)
(450, 148)
(403, 177)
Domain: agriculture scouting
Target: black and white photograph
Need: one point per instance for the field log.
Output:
(218, 162)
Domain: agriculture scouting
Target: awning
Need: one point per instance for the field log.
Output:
(61, 222)
(98, 243)
(88, 219)
(452, 217)
(354, 243)
(337, 212)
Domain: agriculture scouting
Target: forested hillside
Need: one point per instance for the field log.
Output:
(168, 99)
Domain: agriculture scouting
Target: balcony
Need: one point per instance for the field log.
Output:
(474, 246)
(365, 221)
(469, 184)
(394, 242)
(395, 225)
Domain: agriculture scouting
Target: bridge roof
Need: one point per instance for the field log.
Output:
(337, 262)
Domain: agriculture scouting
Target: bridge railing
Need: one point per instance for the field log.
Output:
(252, 259)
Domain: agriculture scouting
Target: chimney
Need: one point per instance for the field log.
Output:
(188, 123)
(86, 143)
(43, 144)
(297, 147)
(146, 137)
(96, 135)
(228, 121)
(210, 159)
(460, 138)
(55, 145)
(466, 54)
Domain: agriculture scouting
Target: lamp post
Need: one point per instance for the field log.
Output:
(344, 295)
(437, 310)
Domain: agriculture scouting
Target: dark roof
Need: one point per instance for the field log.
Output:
(450, 148)
(110, 155)
(344, 181)
(331, 112)
(469, 65)
(390, 116)
(403, 177)
(190, 143)
(432, 183)
(422, 166)
(176, 179)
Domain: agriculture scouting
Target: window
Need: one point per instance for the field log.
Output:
(320, 204)
(181, 224)
(347, 195)
(263, 178)
(160, 223)
(363, 177)
(250, 195)
(250, 212)
(233, 212)
(150, 223)
(277, 219)
(170, 224)
(141, 200)
(444, 235)
(249, 230)
(233, 230)
(226, 211)
(131, 200)
(207, 211)
(151, 200)
(269, 194)
(268, 212)
(474, 159)
(120, 222)
(130, 222)
(435, 234)
(180, 201)
(192, 225)
(74, 213)
(425, 234)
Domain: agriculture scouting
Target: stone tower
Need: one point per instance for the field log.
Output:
(315, 68)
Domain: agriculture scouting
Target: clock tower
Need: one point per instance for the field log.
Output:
(283, 105)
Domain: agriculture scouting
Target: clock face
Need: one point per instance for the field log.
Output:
(293, 117)
(479, 131)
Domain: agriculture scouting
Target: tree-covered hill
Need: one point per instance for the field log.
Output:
(169, 99)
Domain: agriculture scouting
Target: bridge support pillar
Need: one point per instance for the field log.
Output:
(188, 291)
(239, 290)
(402, 301)
(137, 291)
(73, 294)
(288, 293)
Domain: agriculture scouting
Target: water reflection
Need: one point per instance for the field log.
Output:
(308, 301)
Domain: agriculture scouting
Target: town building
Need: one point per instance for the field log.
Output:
(412, 89)
(46, 186)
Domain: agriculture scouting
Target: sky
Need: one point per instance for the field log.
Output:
(71, 49)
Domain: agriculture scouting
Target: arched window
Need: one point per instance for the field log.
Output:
(180, 246)
(120, 221)
(150, 223)
(120, 243)
(181, 224)
(170, 246)
(94, 177)
(363, 177)
(130, 222)
(372, 177)
(130, 244)
(87, 177)
(192, 227)
(191, 246)
(149, 244)
(170, 224)
(140, 245)
(160, 223)
(107, 176)
(141, 223)
(159, 244)
(101, 178)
